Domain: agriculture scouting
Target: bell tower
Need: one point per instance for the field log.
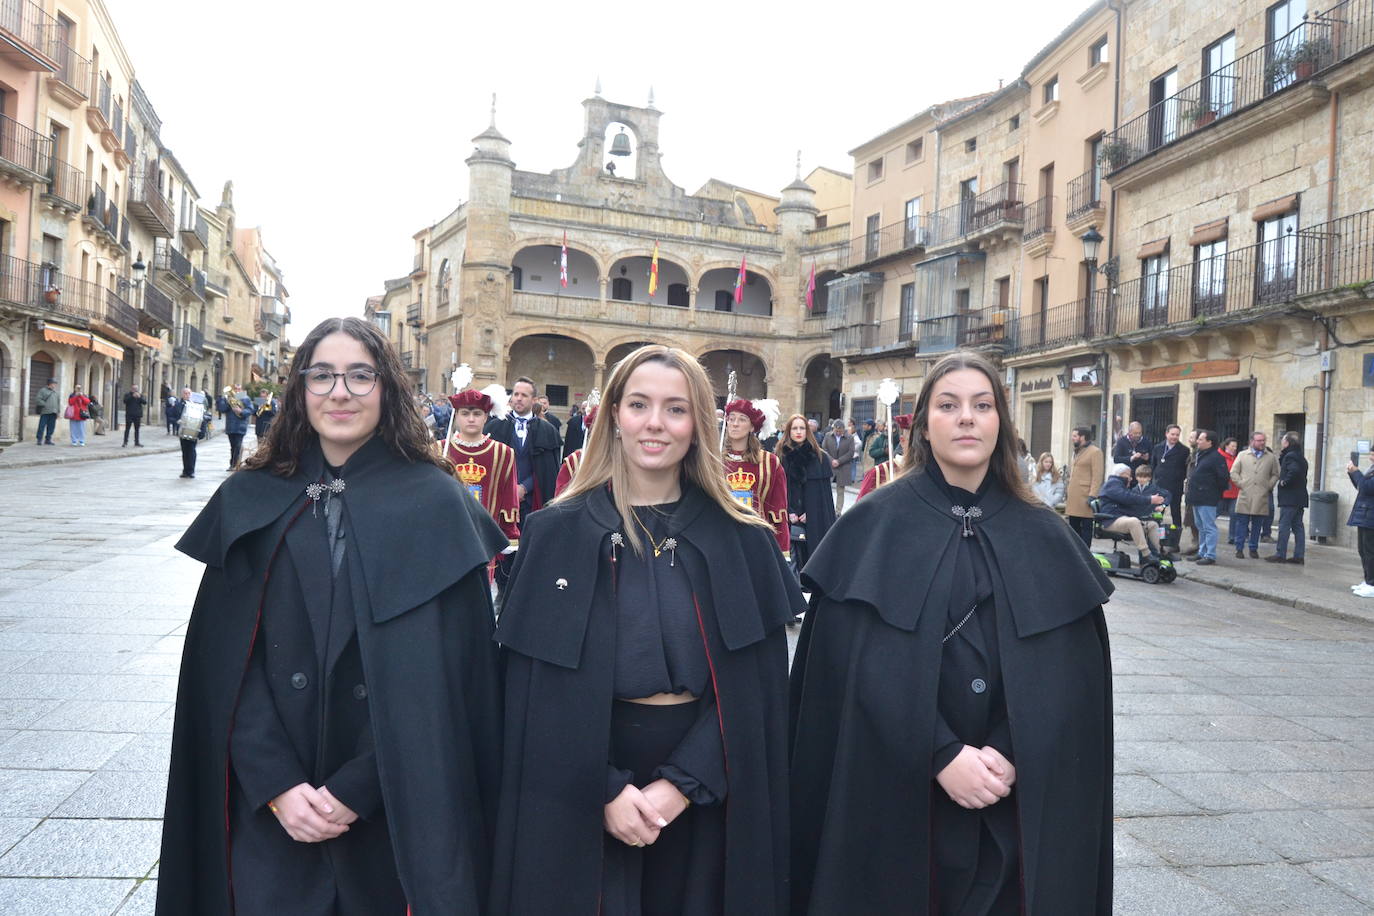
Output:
(484, 285)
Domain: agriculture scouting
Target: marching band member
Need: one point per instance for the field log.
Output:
(756, 477)
(883, 472)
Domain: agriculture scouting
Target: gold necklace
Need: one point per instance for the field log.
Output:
(661, 545)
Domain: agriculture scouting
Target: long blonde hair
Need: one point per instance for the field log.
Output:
(603, 458)
(1040, 467)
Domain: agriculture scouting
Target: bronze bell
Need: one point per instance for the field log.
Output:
(620, 144)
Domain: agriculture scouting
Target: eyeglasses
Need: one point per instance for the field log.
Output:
(359, 381)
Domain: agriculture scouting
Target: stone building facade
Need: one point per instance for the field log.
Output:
(486, 287)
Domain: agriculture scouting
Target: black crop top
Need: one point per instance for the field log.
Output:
(658, 639)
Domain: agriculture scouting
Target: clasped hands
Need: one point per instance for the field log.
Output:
(310, 815)
(977, 777)
(637, 816)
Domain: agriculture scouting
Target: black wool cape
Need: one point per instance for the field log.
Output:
(557, 630)
(864, 696)
(424, 625)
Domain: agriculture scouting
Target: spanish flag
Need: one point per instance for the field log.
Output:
(653, 272)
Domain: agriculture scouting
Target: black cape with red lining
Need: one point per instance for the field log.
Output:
(559, 656)
(865, 682)
(424, 627)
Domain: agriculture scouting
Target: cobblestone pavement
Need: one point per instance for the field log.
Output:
(1244, 730)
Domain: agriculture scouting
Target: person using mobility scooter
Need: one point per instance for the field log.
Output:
(1118, 511)
(1168, 533)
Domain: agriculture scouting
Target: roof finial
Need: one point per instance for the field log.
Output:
(598, 86)
(799, 165)
(651, 96)
(493, 109)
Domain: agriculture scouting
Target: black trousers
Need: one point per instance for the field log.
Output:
(188, 457)
(235, 448)
(1084, 527)
(134, 423)
(683, 872)
(1366, 545)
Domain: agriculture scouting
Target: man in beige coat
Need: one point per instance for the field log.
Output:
(1255, 471)
(1085, 479)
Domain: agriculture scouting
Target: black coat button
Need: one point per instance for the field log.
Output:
(299, 680)
(360, 692)
(979, 685)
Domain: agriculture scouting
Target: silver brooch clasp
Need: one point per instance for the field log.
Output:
(968, 515)
(561, 584)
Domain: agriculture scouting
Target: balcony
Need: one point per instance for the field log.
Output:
(64, 190)
(408, 359)
(24, 153)
(28, 36)
(149, 207)
(198, 283)
(157, 308)
(195, 233)
(419, 269)
(128, 154)
(1085, 202)
(71, 84)
(639, 314)
(1255, 94)
(978, 328)
(906, 237)
(173, 270)
(1237, 287)
(994, 216)
(1037, 237)
(217, 282)
(117, 318)
(273, 324)
(98, 111)
(190, 345)
(101, 217)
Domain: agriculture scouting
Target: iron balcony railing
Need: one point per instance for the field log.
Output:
(195, 231)
(103, 96)
(419, 262)
(119, 314)
(217, 280)
(123, 232)
(1319, 42)
(65, 183)
(1039, 219)
(408, 359)
(413, 313)
(73, 70)
(130, 143)
(175, 263)
(148, 206)
(24, 147)
(1085, 193)
(27, 22)
(1003, 203)
(198, 283)
(923, 335)
(157, 305)
(1256, 278)
(117, 121)
(910, 234)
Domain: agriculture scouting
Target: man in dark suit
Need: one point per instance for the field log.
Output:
(1169, 461)
(546, 412)
(576, 434)
(537, 455)
(1132, 448)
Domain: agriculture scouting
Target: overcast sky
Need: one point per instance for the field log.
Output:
(344, 127)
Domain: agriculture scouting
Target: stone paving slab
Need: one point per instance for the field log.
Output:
(69, 848)
(1270, 890)
(69, 897)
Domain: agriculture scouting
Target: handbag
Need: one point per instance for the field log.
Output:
(85, 414)
(69, 413)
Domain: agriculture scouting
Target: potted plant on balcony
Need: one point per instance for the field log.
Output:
(1200, 113)
(1115, 154)
(1308, 55)
(51, 294)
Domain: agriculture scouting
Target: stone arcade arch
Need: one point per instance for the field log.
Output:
(824, 379)
(716, 290)
(673, 282)
(562, 367)
(535, 268)
(750, 371)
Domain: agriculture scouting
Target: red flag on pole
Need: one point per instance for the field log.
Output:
(811, 288)
(563, 262)
(739, 282)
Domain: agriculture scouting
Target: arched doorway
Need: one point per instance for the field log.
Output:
(563, 368)
(716, 291)
(535, 269)
(751, 376)
(824, 381)
(631, 274)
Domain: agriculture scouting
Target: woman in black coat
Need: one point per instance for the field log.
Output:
(646, 675)
(810, 499)
(1362, 520)
(951, 691)
(337, 732)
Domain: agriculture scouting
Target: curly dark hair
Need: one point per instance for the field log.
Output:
(400, 425)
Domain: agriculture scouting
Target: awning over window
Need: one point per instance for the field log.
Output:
(1208, 233)
(1153, 249)
(57, 333)
(149, 341)
(106, 347)
(1275, 208)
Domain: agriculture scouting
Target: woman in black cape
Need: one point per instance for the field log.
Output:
(337, 732)
(951, 692)
(646, 670)
(810, 496)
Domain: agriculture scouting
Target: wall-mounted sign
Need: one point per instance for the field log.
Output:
(1043, 384)
(1186, 371)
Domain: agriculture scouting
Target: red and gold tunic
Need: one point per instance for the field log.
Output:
(488, 472)
(877, 476)
(566, 471)
(763, 488)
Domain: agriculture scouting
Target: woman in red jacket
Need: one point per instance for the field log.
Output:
(1229, 449)
(78, 410)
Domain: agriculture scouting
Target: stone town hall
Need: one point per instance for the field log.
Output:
(486, 289)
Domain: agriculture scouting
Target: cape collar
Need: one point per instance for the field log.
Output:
(908, 533)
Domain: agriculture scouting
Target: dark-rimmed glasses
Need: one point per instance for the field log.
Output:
(358, 381)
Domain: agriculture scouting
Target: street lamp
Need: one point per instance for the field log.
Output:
(139, 270)
(1092, 241)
